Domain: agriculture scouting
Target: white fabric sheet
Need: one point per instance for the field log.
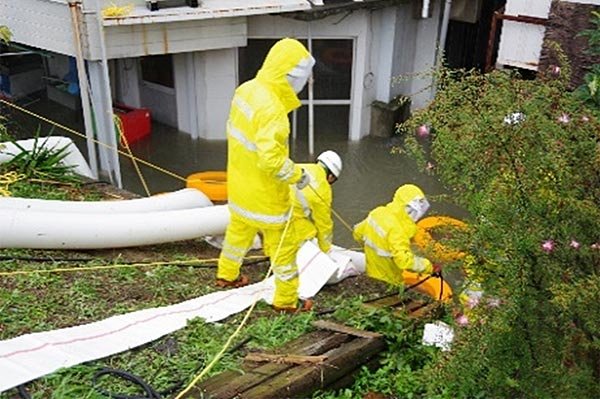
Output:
(31, 356)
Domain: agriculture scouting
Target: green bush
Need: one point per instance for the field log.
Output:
(523, 158)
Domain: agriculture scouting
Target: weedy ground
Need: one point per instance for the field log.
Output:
(40, 301)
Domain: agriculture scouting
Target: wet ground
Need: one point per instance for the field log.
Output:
(371, 171)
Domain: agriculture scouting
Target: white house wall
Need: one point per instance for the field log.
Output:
(221, 67)
(521, 43)
(173, 37)
(415, 47)
(204, 83)
(126, 84)
(43, 24)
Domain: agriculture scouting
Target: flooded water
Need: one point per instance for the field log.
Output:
(370, 176)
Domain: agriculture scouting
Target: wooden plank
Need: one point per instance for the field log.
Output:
(329, 325)
(348, 379)
(286, 359)
(301, 381)
(314, 343)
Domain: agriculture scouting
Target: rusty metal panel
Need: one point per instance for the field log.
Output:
(208, 9)
(521, 42)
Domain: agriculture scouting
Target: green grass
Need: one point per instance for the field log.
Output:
(44, 301)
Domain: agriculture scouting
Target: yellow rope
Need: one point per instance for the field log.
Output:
(114, 10)
(120, 130)
(219, 355)
(117, 266)
(6, 180)
(337, 215)
(68, 129)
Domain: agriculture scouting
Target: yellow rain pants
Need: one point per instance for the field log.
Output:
(259, 170)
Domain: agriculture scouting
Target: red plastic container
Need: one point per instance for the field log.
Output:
(136, 122)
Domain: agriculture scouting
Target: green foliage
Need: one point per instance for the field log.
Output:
(40, 162)
(403, 370)
(523, 157)
(589, 92)
(5, 34)
(593, 35)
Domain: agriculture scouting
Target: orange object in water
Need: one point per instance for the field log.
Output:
(434, 287)
(211, 183)
(425, 242)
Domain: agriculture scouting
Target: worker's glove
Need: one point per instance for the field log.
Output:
(437, 270)
(304, 180)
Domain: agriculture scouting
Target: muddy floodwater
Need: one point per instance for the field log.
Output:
(370, 176)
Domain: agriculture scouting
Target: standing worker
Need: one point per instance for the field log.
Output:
(312, 205)
(386, 235)
(259, 171)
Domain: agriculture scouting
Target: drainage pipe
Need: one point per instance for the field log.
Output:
(186, 198)
(75, 7)
(68, 230)
(311, 107)
(74, 158)
(441, 44)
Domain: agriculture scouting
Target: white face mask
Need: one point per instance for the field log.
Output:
(298, 76)
(416, 208)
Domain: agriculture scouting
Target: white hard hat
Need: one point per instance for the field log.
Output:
(332, 161)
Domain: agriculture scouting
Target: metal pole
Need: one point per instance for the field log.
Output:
(75, 7)
(294, 122)
(311, 116)
(107, 131)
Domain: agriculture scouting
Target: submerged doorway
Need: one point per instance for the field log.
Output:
(332, 76)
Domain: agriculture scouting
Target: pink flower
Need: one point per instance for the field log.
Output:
(462, 320)
(574, 244)
(493, 302)
(564, 118)
(548, 246)
(472, 302)
(595, 245)
(585, 119)
(423, 131)
(555, 70)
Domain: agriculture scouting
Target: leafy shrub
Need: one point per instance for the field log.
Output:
(589, 92)
(40, 162)
(523, 158)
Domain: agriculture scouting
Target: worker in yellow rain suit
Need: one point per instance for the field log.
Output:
(259, 170)
(386, 235)
(312, 205)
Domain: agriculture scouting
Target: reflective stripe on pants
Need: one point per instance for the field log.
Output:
(241, 235)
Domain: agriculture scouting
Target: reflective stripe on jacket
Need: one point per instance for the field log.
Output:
(312, 208)
(259, 170)
(386, 235)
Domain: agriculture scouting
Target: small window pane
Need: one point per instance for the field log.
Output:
(158, 69)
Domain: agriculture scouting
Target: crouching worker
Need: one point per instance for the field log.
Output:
(386, 235)
(312, 204)
(260, 172)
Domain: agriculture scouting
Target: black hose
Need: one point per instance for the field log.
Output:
(149, 392)
(23, 393)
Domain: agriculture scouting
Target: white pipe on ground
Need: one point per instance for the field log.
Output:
(65, 230)
(9, 150)
(181, 199)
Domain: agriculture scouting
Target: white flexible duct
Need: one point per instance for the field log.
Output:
(74, 158)
(181, 199)
(65, 230)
